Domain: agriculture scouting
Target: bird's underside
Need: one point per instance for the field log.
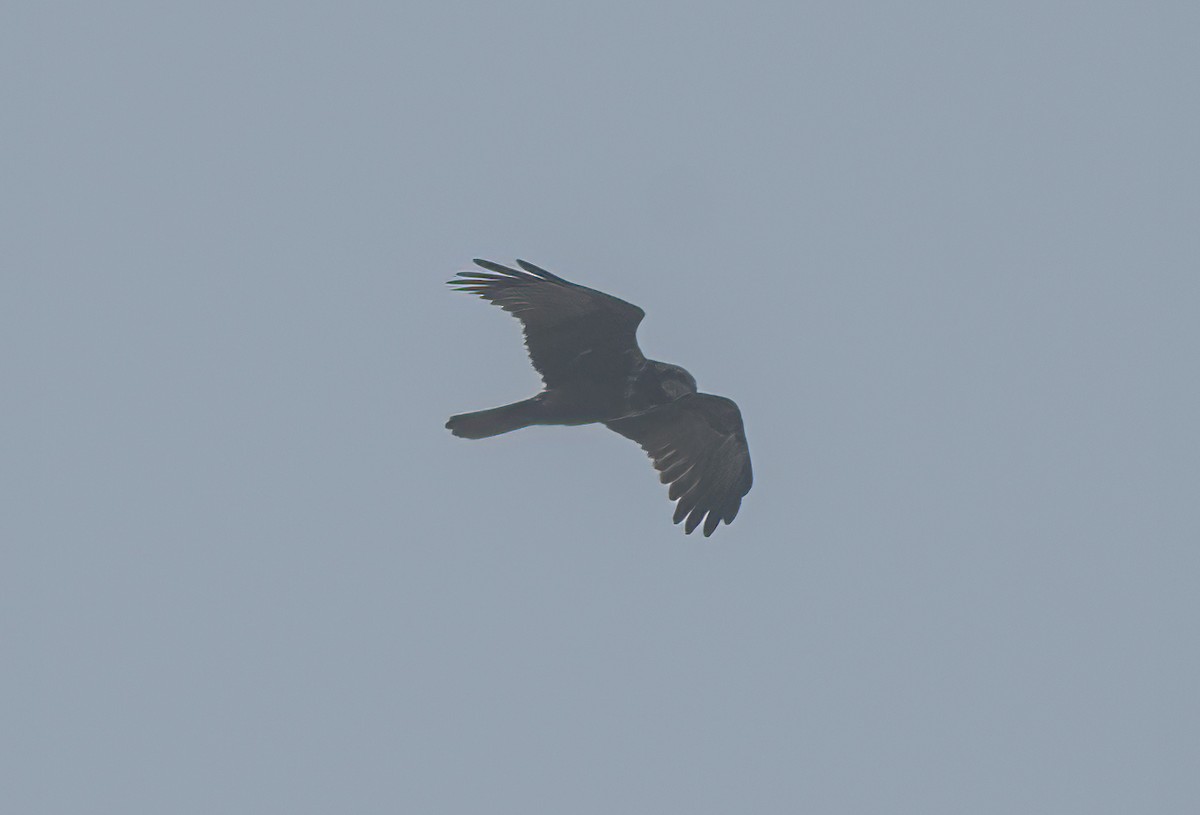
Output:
(584, 344)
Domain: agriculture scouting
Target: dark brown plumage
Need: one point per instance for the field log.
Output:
(584, 344)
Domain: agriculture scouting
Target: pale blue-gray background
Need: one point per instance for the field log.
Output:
(944, 255)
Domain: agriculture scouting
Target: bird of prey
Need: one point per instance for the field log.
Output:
(583, 342)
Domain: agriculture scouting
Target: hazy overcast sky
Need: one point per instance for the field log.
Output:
(944, 255)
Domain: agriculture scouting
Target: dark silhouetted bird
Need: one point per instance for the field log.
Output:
(584, 344)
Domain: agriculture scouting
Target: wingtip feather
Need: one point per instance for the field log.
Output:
(542, 273)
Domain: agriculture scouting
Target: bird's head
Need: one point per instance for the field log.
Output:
(675, 381)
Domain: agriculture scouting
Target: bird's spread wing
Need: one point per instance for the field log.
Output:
(699, 447)
(564, 322)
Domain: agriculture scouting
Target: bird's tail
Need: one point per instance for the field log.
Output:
(485, 423)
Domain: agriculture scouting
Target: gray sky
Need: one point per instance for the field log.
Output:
(943, 255)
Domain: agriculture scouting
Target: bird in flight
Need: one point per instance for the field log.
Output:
(583, 342)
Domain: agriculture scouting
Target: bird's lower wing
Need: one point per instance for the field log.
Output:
(698, 445)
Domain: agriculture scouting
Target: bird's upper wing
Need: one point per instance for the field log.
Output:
(698, 445)
(564, 322)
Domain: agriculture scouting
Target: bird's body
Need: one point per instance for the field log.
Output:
(584, 344)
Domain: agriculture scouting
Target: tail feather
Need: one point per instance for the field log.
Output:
(485, 423)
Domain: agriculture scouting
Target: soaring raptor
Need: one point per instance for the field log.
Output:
(584, 344)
